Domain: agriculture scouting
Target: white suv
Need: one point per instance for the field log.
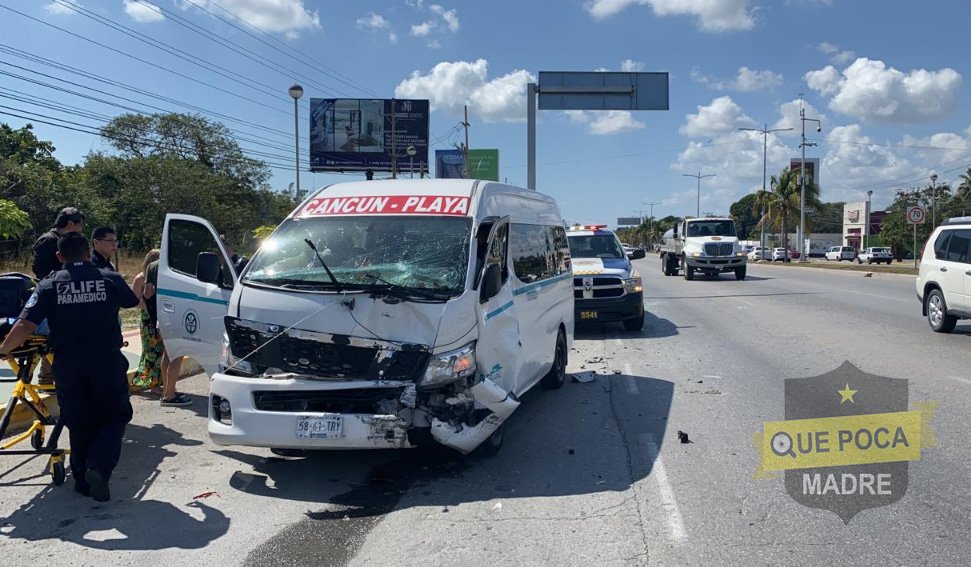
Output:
(944, 280)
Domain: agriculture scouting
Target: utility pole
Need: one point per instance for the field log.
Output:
(699, 177)
(394, 139)
(765, 144)
(933, 203)
(802, 178)
(465, 149)
(651, 226)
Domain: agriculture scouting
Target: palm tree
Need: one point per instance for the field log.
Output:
(782, 203)
(964, 188)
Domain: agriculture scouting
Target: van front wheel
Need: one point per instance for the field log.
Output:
(555, 378)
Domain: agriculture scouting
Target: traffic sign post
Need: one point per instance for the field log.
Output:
(916, 215)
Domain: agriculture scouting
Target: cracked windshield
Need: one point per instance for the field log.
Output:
(632, 283)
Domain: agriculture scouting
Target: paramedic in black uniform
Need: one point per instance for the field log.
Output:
(80, 303)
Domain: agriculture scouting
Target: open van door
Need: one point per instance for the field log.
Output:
(499, 351)
(195, 280)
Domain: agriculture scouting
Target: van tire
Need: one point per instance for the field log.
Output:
(555, 378)
(689, 272)
(937, 316)
(740, 273)
(490, 447)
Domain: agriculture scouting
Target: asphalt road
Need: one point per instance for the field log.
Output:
(592, 474)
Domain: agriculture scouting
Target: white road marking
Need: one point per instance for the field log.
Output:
(631, 381)
(743, 301)
(878, 296)
(619, 342)
(668, 501)
(963, 380)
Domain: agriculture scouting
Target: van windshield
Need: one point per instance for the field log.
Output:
(429, 253)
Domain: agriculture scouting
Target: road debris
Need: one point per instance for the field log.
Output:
(584, 377)
(683, 437)
(206, 495)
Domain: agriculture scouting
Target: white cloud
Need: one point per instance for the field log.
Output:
(59, 9)
(790, 118)
(393, 37)
(869, 90)
(746, 80)
(838, 56)
(713, 15)
(958, 147)
(451, 85)
(614, 122)
(434, 44)
(631, 66)
(275, 16)
(854, 160)
(421, 30)
(143, 13)
(723, 115)
(374, 21)
(450, 16)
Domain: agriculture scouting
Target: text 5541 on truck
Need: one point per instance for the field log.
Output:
(707, 245)
(379, 314)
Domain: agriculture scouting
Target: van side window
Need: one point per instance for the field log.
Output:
(561, 249)
(531, 253)
(497, 253)
(186, 240)
(957, 249)
(940, 245)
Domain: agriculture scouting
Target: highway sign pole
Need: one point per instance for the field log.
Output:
(915, 246)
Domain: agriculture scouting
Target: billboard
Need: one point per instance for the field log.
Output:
(356, 134)
(628, 221)
(812, 168)
(483, 164)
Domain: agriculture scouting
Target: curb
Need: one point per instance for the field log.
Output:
(858, 273)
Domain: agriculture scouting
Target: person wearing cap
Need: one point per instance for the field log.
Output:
(104, 240)
(46, 263)
(80, 304)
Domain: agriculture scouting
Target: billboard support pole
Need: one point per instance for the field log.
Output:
(465, 149)
(531, 136)
(394, 140)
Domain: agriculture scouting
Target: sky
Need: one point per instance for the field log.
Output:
(887, 80)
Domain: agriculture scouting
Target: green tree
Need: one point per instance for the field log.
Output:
(964, 187)
(782, 203)
(13, 221)
(746, 221)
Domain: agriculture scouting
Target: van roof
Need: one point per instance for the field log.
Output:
(437, 187)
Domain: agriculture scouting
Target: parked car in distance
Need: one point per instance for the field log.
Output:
(840, 253)
(875, 254)
(759, 253)
(793, 254)
(942, 282)
(779, 255)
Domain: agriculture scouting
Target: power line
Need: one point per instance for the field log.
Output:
(303, 58)
(174, 51)
(146, 62)
(239, 49)
(127, 87)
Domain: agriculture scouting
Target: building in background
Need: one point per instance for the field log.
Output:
(854, 222)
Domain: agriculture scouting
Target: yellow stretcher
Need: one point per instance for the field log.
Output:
(24, 361)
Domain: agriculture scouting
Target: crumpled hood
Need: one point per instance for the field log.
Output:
(427, 324)
(597, 266)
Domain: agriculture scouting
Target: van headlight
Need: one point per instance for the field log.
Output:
(633, 284)
(696, 254)
(449, 366)
(230, 364)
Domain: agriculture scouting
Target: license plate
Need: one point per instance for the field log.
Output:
(588, 314)
(320, 427)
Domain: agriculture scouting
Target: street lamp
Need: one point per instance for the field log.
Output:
(296, 91)
(802, 177)
(866, 235)
(699, 177)
(411, 151)
(765, 143)
(933, 200)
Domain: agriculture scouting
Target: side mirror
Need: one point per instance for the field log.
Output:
(207, 268)
(638, 254)
(491, 282)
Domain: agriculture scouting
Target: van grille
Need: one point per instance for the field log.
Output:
(340, 359)
(354, 400)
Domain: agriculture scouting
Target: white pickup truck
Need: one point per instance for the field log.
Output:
(708, 245)
(873, 254)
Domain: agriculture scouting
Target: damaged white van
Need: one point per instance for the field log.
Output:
(378, 314)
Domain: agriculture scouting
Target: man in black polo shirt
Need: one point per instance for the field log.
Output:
(104, 241)
(80, 304)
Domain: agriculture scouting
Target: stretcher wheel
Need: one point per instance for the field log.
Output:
(58, 473)
(37, 439)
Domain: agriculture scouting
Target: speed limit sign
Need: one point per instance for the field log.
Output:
(916, 215)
